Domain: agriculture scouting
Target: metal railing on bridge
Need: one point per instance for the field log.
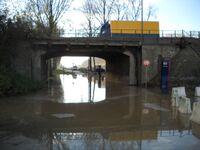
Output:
(124, 33)
(179, 33)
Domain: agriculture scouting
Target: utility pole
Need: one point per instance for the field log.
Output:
(142, 23)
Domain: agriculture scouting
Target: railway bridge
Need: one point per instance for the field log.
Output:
(123, 55)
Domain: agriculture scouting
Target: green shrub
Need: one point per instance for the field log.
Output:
(5, 84)
(12, 83)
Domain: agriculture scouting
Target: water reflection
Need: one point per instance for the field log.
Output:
(129, 140)
(78, 89)
(129, 118)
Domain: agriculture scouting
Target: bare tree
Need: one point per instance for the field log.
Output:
(97, 13)
(120, 10)
(46, 13)
(134, 10)
(134, 7)
(151, 12)
(103, 10)
(90, 26)
(131, 10)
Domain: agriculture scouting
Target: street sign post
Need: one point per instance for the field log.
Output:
(146, 64)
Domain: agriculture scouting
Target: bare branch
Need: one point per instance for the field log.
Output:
(151, 12)
(48, 12)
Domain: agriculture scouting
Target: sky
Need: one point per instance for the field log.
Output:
(179, 15)
(171, 14)
(72, 61)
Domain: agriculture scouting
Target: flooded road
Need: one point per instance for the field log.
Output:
(79, 113)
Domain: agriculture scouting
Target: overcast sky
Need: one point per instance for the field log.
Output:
(172, 14)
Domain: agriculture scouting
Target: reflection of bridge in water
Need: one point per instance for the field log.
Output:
(121, 123)
(124, 112)
(122, 120)
(116, 122)
(114, 113)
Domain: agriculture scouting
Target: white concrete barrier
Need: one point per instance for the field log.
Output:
(177, 92)
(181, 91)
(174, 112)
(197, 94)
(185, 120)
(184, 105)
(174, 97)
(195, 117)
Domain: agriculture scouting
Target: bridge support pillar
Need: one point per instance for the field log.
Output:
(117, 68)
(132, 65)
(36, 68)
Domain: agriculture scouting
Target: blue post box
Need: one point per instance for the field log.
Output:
(165, 70)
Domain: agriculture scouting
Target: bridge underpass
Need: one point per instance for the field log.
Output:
(123, 58)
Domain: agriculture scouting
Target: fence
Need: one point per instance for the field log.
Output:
(179, 33)
(124, 33)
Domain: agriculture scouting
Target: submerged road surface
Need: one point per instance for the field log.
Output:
(80, 113)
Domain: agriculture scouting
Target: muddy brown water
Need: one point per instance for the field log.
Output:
(75, 113)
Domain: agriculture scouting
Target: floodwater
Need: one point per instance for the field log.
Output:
(80, 113)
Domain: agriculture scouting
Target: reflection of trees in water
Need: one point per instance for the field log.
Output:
(46, 139)
(92, 81)
(87, 141)
(79, 141)
(55, 90)
(91, 141)
(132, 145)
(58, 142)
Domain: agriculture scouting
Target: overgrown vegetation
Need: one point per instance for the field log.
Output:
(39, 19)
(12, 83)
